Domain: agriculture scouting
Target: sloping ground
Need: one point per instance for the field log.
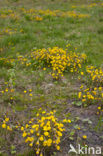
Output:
(51, 58)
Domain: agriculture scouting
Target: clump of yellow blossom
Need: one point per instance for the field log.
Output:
(59, 60)
(96, 75)
(43, 133)
(90, 95)
(84, 137)
(39, 14)
(5, 124)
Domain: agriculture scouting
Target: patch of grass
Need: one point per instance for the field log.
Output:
(85, 34)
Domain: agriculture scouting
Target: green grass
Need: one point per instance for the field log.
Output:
(86, 34)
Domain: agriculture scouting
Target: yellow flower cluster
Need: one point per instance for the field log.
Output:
(89, 5)
(91, 95)
(43, 133)
(8, 91)
(100, 110)
(7, 31)
(59, 59)
(11, 93)
(46, 132)
(10, 31)
(8, 13)
(32, 13)
(94, 93)
(7, 61)
(29, 92)
(96, 75)
(38, 15)
(92, 5)
(5, 124)
(37, 18)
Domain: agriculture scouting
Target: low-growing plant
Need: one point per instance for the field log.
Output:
(95, 75)
(43, 133)
(90, 95)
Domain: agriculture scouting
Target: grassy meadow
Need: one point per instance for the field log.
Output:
(51, 76)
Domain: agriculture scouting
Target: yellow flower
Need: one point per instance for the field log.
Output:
(57, 141)
(43, 118)
(31, 139)
(49, 141)
(69, 121)
(12, 90)
(31, 131)
(97, 113)
(45, 143)
(34, 126)
(6, 90)
(43, 112)
(30, 122)
(25, 91)
(45, 128)
(79, 95)
(37, 114)
(37, 134)
(41, 154)
(78, 128)
(59, 133)
(30, 94)
(4, 125)
(42, 124)
(46, 133)
(99, 108)
(32, 119)
(37, 152)
(84, 137)
(22, 128)
(6, 119)
(64, 120)
(44, 68)
(8, 128)
(16, 126)
(41, 138)
(31, 144)
(82, 73)
(27, 126)
(81, 86)
(27, 139)
(37, 143)
(58, 148)
(11, 98)
(83, 100)
(100, 88)
(24, 134)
